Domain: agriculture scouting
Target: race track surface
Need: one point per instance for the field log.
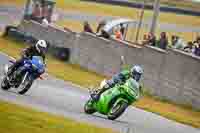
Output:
(65, 99)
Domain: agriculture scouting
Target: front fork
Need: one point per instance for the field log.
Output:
(24, 78)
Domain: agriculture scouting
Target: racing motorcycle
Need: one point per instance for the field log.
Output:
(24, 76)
(114, 101)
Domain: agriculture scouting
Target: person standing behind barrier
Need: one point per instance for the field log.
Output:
(122, 29)
(37, 12)
(152, 39)
(197, 47)
(189, 48)
(118, 34)
(163, 41)
(87, 27)
(178, 43)
(100, 26)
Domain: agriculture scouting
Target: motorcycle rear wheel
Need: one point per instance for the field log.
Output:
(4, 84)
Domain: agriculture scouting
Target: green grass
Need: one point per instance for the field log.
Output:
(175, 3)
(17, 119)
(86, 78)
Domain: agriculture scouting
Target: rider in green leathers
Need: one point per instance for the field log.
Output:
(135, 72)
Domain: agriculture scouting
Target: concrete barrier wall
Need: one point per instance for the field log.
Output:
(95, 54)
(54, 35)
(172, 74)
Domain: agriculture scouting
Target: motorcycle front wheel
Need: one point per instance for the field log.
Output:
(88, 109)
(117, 110)
(26, 85)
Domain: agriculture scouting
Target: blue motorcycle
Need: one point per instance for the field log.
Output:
(24, 76)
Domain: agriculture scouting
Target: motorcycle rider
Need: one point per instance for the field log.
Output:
(135, 72)
(39, 49)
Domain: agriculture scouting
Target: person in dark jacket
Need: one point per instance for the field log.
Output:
(122, 29)
(100, 26)
(189, 48)
(39, 49)
(152, 39)
(197, 47)
(87, 27)
(163, 41)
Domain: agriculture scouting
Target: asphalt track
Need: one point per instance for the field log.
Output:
(65, 99)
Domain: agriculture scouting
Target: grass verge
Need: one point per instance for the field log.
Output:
(85, 78)
(17, 119)
(184, 4)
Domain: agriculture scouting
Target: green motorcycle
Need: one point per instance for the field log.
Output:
(114, 101)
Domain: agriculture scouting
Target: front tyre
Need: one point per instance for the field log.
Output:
(87, 107)
(117, 110)
(5, 84)
(24, 87)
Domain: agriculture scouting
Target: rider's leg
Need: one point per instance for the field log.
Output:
(15, 66)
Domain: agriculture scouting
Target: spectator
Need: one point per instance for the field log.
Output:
(104, 34)
(46, 12)
(173, 40)
(189, 48)
(151, 39)
(37, 13)
(87, 27)
(118, 34)
(163, 41)
(122, 29)
(197, 48)
(100, 26)
(178, 43)
(100, 32)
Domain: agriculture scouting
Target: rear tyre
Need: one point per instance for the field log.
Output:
(4, 84)
(88, 109)
(117, 110)
(24, 87)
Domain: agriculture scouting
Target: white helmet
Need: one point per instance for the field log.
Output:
(136, 72)
(41, 46)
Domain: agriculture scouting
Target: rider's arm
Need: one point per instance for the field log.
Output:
(118, 78)
(26, 52)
